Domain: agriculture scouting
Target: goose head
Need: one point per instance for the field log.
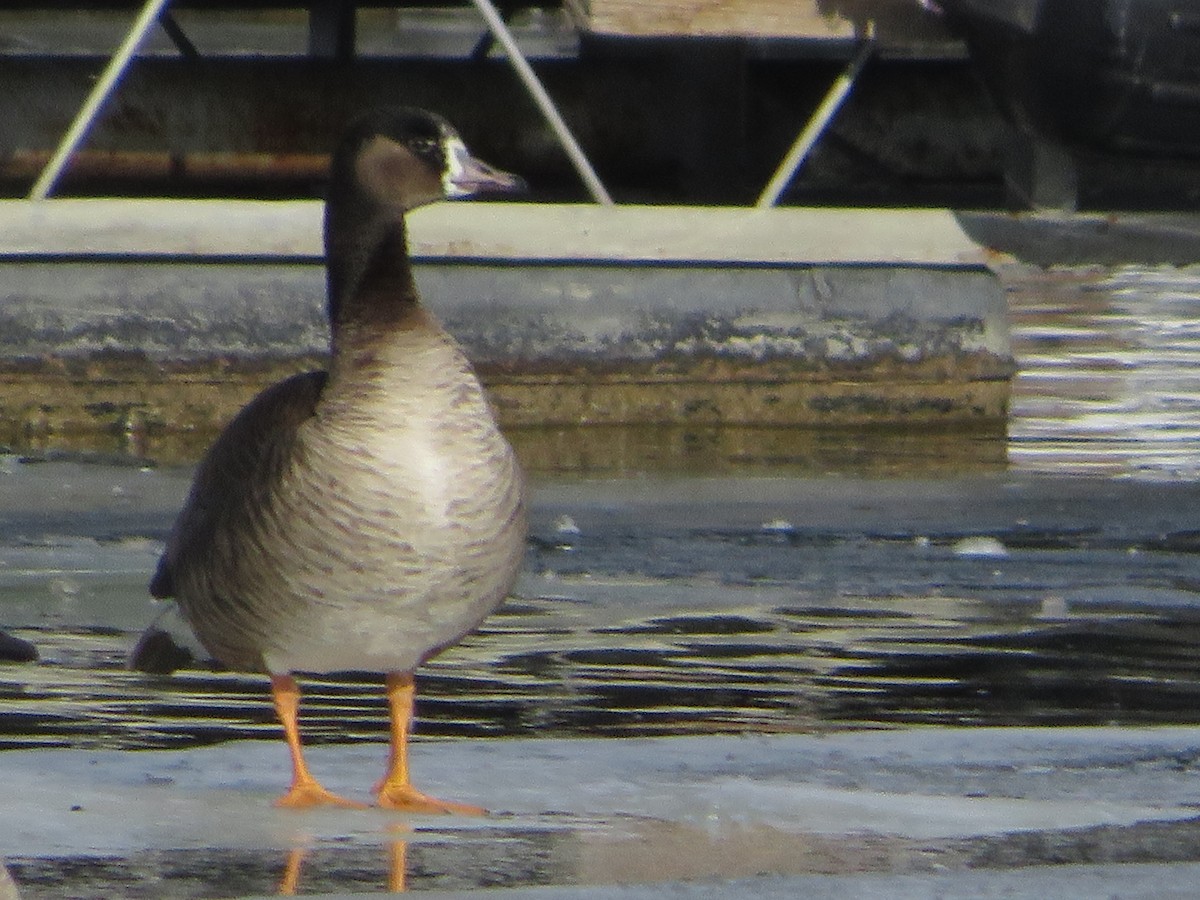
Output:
(389, 162)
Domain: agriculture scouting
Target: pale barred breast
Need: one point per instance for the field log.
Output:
(404, 514)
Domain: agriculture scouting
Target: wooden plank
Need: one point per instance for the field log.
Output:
(888, 21)
(300, 6)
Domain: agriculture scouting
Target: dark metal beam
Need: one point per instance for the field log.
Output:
(331, 29)
(186, 48)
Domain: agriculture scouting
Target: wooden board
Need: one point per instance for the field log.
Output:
(888, 21)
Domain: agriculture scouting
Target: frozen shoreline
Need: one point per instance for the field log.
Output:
(928, 804)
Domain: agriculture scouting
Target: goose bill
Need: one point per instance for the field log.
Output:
(467, 175)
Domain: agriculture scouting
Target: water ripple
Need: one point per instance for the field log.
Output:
(1108, 373)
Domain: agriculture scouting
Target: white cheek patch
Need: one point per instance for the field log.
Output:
(454, 151)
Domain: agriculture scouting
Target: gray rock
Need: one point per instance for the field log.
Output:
(13, 649)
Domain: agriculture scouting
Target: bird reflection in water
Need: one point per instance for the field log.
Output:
(397, 871)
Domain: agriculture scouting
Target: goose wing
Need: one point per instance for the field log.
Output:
(238, 474)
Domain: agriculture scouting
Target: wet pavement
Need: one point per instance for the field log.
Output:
(777, 670)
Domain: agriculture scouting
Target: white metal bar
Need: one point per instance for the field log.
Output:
(86, 116)
(542, 99)
(811, 133)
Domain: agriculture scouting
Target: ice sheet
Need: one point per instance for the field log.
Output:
(640, 810)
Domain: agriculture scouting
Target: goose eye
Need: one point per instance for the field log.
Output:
(425, 147)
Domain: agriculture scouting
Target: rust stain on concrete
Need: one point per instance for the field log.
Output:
(170, 411)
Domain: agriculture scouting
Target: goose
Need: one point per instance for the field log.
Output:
(367, 517)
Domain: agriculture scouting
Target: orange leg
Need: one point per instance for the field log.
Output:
(395, 791)
(398, 867)
(290, 881)
(305, 791)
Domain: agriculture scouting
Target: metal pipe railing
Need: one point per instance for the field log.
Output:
(534, 85)
(87, 114)
(811, 133)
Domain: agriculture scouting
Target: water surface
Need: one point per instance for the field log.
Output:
(785, 582)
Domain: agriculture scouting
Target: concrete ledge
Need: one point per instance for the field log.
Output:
(154, 316)
(1075, 239)
(496, 231)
